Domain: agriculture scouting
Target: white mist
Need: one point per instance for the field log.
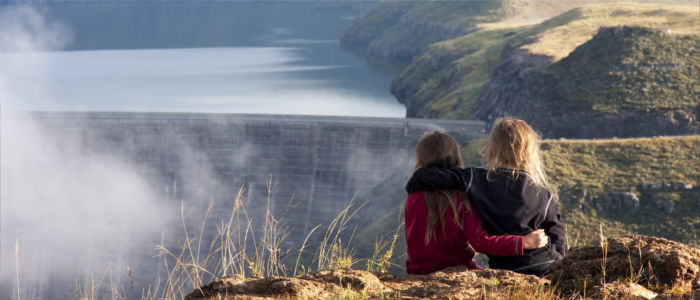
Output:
(79, 218)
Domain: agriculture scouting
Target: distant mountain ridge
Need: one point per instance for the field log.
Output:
(554, 73)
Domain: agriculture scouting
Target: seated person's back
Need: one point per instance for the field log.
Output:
(442, 229)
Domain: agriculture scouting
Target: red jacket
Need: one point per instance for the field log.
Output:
(451, 246)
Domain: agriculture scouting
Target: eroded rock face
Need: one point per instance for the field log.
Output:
(656, 263)
(616, 202)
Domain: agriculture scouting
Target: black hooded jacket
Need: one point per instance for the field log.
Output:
(509, 203)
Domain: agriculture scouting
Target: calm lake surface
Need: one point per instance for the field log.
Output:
(238, 57)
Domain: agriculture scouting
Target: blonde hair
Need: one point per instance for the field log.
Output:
(439, 149)
(514, 145)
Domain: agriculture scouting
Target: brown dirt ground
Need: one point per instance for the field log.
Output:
(636, 267)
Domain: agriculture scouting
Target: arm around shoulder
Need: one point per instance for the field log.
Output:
(481, 241)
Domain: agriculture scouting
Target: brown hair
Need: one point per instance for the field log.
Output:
(439, 149)
(514, 145)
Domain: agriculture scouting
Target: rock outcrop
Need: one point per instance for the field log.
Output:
(630, 267)
(654, 263)
(662, 197)
(621, 289)
(624, 82)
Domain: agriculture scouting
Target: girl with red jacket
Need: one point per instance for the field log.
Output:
(442, 228)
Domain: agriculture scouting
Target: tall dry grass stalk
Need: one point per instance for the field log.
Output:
(380, 261)
(268, 253)
(636, 276)
(604, 248)
(331, 253)
(17, 267)
(301, 251)
(94, 289)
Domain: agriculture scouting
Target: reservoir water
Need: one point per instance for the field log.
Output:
(229, 57)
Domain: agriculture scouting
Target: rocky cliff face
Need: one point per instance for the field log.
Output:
(647, 86)
(514, 88)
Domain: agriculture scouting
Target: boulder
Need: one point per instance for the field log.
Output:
(621, 290)
(265, 288)
(655, 263)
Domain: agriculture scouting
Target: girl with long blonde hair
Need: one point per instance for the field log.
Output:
(442, 230)
(511, 194)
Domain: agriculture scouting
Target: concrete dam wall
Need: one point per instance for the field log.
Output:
(318, 161)
(310, 167)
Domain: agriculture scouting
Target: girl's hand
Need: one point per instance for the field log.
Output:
(535, 239)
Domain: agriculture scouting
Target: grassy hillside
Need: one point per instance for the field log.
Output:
(399, 30)
(619, 164)
(630, 68)
(559, 41)
(585, 173)
(446, 80)
(660, 171)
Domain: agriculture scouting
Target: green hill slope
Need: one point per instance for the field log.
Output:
(630, 68)
(508, 64)
(397, 31)
(645, 185)
(503, 65)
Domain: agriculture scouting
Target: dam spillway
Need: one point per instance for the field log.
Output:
(314, 166)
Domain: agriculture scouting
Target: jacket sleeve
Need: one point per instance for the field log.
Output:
(553, 227)
(439, 178)
(499, 245)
